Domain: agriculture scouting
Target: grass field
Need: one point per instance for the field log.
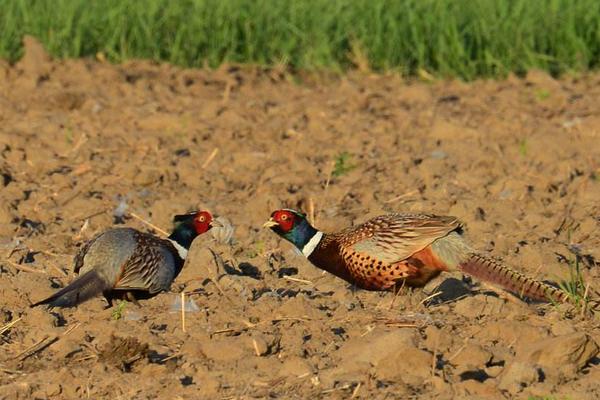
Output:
(446, 38)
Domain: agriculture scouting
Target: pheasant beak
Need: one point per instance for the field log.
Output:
(270, 223)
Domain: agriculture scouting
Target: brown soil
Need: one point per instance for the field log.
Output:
(517, 160)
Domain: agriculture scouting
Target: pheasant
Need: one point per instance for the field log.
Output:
(127, 263)
(401, 248)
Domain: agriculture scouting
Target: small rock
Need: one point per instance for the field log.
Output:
(439, 384)
(200, 265)
(471, 357)
(298, 306)
(151, 370)
(563, 356)
(494, 371)
(295, 367)
(517, 376)
(507, 332)
(192, 351)
(53, 389)
(38, 394)
(411, 366)
(6, 214)
(505, 194)
(224, 350)
(340, 376)
(476, 389)
(436, 339)
(438, 154)
(470, 307)
(260, 345)
(542, 79)
(377, 345)
(147, 177)
(560, 328)
(208, 385)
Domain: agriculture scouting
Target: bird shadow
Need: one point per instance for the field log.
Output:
(242, 269)
(449, 290)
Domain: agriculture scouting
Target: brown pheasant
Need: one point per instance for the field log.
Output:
(395, 248)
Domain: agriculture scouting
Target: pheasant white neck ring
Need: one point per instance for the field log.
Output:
(312, 244)
(182, 251)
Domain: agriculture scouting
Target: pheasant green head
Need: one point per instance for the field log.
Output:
(293, 226)
(188, 226)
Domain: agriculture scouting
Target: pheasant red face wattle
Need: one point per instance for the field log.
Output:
(203, 221)
(285, 219)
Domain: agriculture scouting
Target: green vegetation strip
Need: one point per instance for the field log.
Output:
(447, 38)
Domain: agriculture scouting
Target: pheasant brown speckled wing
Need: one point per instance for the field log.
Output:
(395, 237)
(377, 253)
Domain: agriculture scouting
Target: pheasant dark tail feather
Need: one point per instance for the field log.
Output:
(489, 270)
(83, 288)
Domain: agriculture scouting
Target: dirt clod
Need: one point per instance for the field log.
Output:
(561, 357)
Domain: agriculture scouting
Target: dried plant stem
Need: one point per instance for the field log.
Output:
(23, 268)
(289, 278)
(209, 159)
(9, 325)
(151, 225)
(585, 299)
(36, 347)
(396, 294)
(183, 311)
(430, 297)
(407, 194)
(311, 211)
(172, 356)
(329, 175)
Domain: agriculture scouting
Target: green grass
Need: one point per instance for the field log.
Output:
(575, 287)
(523, 147)
(542, 94)
(119, 310)
(342, 164)
(459, 38)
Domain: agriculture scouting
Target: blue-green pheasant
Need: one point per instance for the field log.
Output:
(391, 249)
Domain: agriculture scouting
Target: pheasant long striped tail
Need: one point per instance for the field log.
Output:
(489, 270)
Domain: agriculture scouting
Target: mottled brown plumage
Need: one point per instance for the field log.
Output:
(397, 249)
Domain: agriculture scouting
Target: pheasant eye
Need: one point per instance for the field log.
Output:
(284, 217)
(201, 218)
